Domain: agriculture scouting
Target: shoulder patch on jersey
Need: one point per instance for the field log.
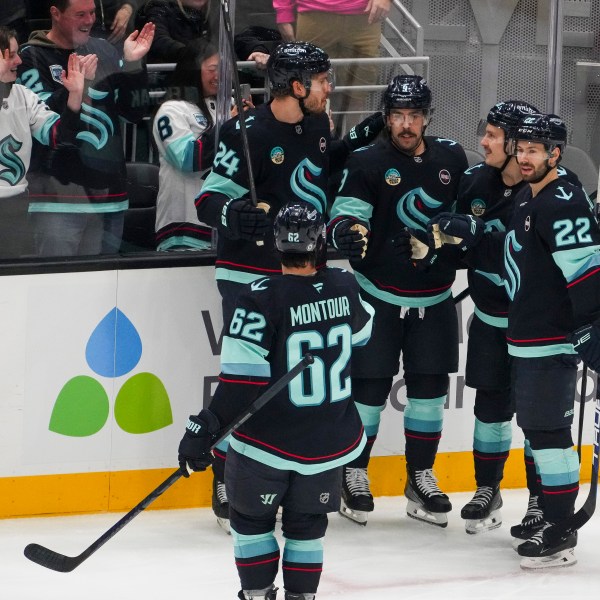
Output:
(322, 145)
(470, 170)
(478, 207)
(563, 195)
(56, 72)
(259, 285)
(277, 155)
(446, 141)
(392, 177)
(201, 119)
(445, 176)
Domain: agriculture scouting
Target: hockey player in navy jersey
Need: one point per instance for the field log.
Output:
(487, 190)
(289, 453)
(292, 155)
(550, 268)
(399, 183)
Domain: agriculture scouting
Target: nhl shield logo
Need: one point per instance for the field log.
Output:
(324, 498)
(56, 72)
(277, 155)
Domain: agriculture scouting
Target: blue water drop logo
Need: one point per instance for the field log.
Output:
(115, 346)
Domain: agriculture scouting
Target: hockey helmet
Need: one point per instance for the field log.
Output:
(407, 91)
(549, 130)
(295, 61)
(299, 228)
(506, 115)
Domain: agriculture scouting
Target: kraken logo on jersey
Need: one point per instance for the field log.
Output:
(306, 190)
(277, 155)
(13, 168)
(411, 206)
(98, 120)
(512, 281)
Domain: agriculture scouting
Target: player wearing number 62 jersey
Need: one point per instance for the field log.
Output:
(290, 452)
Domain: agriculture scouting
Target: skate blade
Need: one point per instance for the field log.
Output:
(224, 525)
(475, 526)
(565, 558)
(356, 516)
(417, 512)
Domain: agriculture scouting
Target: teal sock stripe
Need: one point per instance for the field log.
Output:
(303, 551)
(527, 449)
(492, 437)
(370, 417)
(249, 546)
(557, 466)
(424, 414)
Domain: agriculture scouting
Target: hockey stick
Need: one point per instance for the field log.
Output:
(65, 564)
(570, 525)
(582, 396)
(458, 299)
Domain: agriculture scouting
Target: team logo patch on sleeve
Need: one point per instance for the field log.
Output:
(277, 155)
(56, 72)
(478, 207)
(392, 177)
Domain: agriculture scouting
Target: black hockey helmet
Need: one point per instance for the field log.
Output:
(506, 115)
(549, 130)
(295, 61)
(299, 228)
(407, 91)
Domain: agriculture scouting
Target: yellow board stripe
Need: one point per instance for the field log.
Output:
(120, 491)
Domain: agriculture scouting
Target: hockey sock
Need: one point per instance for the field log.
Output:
(559, 470)
(302, 565)
(423, 419)
(370, 417)
(218, 464)
(256, 559)
(534, 483)
(491, 445)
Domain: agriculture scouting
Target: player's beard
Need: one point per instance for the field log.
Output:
(538, 172)
(314, 105)
(407, 145)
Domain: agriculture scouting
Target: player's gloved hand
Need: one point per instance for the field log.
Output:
(586, 342)
(194, 448)
(411, 245)
(241, 220)
(450, 228)
(365, 132)
(350, 237)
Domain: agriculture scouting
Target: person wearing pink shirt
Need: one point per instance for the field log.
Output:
(344, 29)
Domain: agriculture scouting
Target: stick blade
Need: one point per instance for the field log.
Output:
(50, 559)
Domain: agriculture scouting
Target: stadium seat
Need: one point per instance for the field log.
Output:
(580, 162)
(140, 217)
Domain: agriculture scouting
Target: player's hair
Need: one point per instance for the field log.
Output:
(297, 260)
(61, 5)
(6, 34)
(185, 82)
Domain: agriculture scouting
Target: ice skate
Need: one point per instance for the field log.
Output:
(426, 502)
(532, 522)
(294, 596)
(220, 505)
(269, 593)
(537, 553)
(482, 512)
(357, 501)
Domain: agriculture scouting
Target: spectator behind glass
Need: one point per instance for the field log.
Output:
(184, 133)
(24, 118)
(114, 20)
(13, 15)
(178, 22)
(79, 194)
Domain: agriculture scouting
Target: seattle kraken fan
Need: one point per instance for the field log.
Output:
(400, 183)
(24, 117)
(292, 153)
(550, 271)
(79, 195)
(487, 190)
(289, 454)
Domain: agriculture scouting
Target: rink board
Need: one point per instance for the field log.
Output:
(101, 370)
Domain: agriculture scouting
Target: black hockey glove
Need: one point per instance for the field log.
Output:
(412, 246)
(586, 342)
(241, 220)
(449, 228)
(350, 237)
(194, 448)
(365, 132)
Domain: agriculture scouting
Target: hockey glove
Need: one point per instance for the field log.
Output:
(449, 228)
(586, 342)
(412, 246)
(195, 445)
(350, 237)
(365, 132)
(241, 220)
